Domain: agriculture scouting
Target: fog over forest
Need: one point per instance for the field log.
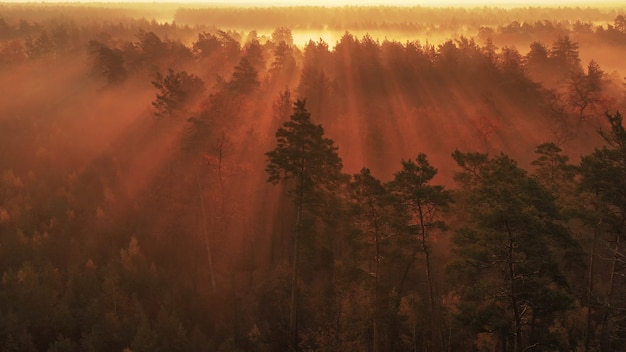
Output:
(181, 177)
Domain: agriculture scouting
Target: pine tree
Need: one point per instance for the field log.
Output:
(177, 90)
(424, 203)
(309, 164)
(604, 177)
(509, 254)
(375, 216)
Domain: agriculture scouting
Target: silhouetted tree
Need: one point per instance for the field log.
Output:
(376, 222)
(107, 62)
(245, 78)
(620, 23)
(564, 56)
(206, 45)
(552, 167)
(584, 91)
(283, 106)
(604, 176)
(253, 52)
(509, 253)
(283, 67)
(152, 49)
(282, 35)
(308, 162)
(315, 83)
(176, 92)
(424, 203)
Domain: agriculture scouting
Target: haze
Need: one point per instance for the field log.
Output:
(210, 177)
(423, 3)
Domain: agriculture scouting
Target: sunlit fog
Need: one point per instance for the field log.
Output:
(288, 176)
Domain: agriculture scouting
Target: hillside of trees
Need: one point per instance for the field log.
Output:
(202, 184)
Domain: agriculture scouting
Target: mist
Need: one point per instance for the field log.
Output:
(195, 177)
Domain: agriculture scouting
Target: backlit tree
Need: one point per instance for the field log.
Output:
(308, 163)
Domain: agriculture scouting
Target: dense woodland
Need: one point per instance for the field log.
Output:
(200, 186)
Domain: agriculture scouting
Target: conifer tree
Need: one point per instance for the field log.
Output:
(509, 253)
(604, 176)
(375, 216)
(424, 203)
(308, 163)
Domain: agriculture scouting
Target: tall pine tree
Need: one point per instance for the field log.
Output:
(508, 255)
(308, 163)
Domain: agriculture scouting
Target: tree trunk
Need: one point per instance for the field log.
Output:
(405, 275)
(517, 342)
(437, 338)
(590, 278)
(293, 304)
(207, 242)
(377, 281)
(606, 331)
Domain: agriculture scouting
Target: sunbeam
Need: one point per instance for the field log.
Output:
(280, 176)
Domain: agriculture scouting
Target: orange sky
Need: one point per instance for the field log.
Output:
(427, 3)
(438, 3)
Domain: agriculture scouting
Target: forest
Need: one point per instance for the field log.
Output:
(196, 178)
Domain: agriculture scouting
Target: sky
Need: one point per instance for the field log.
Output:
(412, 2)
(426, 3)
